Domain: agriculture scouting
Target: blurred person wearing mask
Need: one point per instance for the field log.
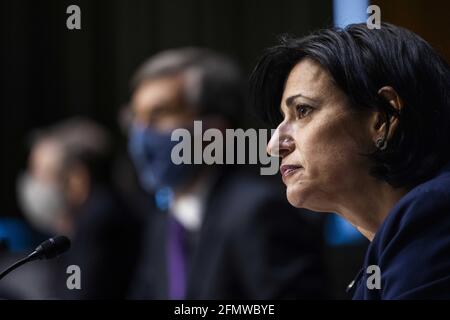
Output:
(67, 190)
(215, 231)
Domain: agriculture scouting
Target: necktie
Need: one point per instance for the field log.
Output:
(176, 260)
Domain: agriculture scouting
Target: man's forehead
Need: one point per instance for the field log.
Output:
(158, 90)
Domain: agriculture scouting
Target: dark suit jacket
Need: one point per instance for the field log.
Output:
(412, 247)
(252, 245)
(105, 246)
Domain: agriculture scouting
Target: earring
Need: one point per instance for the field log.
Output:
(381, 144)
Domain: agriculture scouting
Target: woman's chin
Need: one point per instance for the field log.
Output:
(309, 198)
(296, 196)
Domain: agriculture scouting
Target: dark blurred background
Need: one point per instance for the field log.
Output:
(50, 73)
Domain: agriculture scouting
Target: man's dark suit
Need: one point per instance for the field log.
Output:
(105, 246)
(252, 245)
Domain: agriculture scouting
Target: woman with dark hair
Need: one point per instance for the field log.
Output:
(364, 131)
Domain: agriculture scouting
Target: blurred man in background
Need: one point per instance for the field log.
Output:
(215, 232)
(67, 190)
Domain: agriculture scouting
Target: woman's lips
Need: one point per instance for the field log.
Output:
(288, 169)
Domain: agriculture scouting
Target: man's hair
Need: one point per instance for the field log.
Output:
(360, 62)
(212, 83)
(84, 142)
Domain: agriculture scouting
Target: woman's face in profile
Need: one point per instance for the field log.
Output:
(321, 140)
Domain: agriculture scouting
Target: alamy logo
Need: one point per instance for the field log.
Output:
(374, 280)
(74, 20)
(74, 280)
(374, 20)
(229, 149)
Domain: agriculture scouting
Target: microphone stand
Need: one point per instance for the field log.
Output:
(32, 256)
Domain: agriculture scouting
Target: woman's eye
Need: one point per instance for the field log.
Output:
(303, 110)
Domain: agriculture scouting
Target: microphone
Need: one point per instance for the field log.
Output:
(48, 249)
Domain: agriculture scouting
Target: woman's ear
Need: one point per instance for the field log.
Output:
(379, 121)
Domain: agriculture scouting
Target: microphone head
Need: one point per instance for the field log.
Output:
(52, 247)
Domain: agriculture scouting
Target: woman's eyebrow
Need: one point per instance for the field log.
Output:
(291, 99)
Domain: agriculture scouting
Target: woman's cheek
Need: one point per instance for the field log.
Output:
(326, 158)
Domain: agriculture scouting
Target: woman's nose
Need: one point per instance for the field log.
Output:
(280, 145)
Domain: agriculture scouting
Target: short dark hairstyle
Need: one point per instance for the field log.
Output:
(360, 62)
(212, 83)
